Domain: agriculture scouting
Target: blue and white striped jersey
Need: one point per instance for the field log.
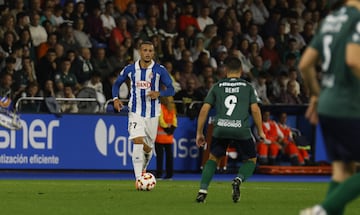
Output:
(143, 81)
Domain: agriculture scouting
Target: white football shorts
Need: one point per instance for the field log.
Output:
(143, 127)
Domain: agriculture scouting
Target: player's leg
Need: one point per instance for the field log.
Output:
(169, 161)
(218, 149)
(159, 149)
(151, 125)
(247, 168)
(137, 133)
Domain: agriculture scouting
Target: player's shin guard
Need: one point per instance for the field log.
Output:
(138, 159)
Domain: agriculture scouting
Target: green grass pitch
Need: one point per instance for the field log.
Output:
(169, 197)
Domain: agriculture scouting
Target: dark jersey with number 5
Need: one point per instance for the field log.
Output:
(340, 95)
(232, 98)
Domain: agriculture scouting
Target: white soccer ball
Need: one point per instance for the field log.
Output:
(147, 182)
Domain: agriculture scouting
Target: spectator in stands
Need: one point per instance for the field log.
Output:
(259, 11)
(120, 58)
(68, 38)
(80, 36)
(227, 21)
(8, 25)
(270, 54)
(47, 67)
(6, 81)
(131, 15)
(101, 63)
(260, 86)
(170, 29)
(118, 34)
(187, 18)
(95, 82)
(270, 28)
(246, 21)
(22, 22)
(200, 64)
(290, 96)
(47, 16)
(138, 29)
(278, 86)
(269, 148)
(58, 11)
(208, 83)
(9, 66)
(295, 34)
(290, 62)
(298, 156)
(79, 11)
(108, 21)
(50, 43)
(6, 47)
(86, 68)
(187, 95)
(95, 27)
(188, 73)
(174, 75)
(31, 106)
(281, 39)
(150, 28)
(18, 8)
(68, 10)
(221, 55)
(38, 32)
(23, 77)
(68, 106)
(204, 19)
(254, 36)
(65, 78)
(308, 32)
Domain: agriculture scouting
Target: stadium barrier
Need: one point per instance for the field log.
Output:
(100, 141)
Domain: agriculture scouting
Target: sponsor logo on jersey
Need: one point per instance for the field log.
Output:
(143, 85)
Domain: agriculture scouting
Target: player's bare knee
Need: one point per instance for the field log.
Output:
(252, 160)
(214, 158)
(138, 140)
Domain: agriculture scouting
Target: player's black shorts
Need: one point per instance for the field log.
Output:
(341, 138)
(246, 148)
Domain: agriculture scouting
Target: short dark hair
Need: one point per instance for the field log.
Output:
(233, 63)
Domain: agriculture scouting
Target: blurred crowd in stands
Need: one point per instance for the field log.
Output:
(59, 47)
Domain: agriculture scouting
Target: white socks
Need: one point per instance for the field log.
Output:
(147, 159)
(138, 159)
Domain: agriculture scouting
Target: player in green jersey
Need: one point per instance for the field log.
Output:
(232, 99)
(336, 102)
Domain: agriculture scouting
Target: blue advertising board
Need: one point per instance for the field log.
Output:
(86, 142)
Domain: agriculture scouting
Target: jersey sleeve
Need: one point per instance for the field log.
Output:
(121, 79)
(355, 34)
(210, 97)
(254, 98)
(166, 80)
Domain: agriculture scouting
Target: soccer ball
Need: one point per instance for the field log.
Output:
(147, 182)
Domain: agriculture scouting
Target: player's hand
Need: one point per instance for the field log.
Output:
(118, 105)
(262, 136)
(200, 140)
(154, 94)
(311, 112)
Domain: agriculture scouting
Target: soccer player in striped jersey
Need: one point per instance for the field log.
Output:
(336, 103)
(149, 80)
